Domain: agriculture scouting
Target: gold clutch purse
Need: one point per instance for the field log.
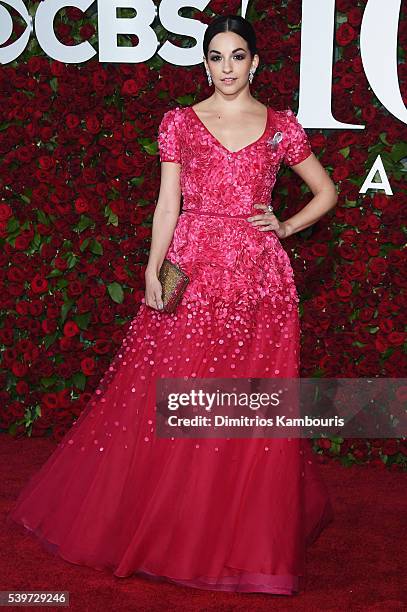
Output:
(174, 282)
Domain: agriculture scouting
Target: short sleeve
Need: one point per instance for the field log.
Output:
(299, 147)
(168, 137)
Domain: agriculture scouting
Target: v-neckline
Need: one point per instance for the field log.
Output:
(229, 152)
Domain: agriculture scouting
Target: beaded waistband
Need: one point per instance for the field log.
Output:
(209, 214)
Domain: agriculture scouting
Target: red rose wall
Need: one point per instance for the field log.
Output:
(78, 184)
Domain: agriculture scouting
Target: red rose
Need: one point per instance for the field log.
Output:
(72, 121)
(324, 443)
(50, 400)
(349, 235)
(88, 366)
(357, 271)
(70, 329)
(346, 139)
(347, 252)
(92, 124)
(345, 34)
(87, 31)
(319, 250)
(386, 325)
(390, 447)
(5, 212)
(344, 290)
(352, 216)
(368, 113)
(354, 16)
(377, 463)
(317, 141)
(130, 88)
(341, 172)
(381, 342)
(39, 284)
(396, 338)
(59, 431)
(372, 247)
(380, 201)
(378, 265)
(343, 6)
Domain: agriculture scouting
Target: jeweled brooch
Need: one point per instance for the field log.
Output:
(275, 141)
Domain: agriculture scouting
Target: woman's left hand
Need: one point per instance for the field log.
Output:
(268, 222)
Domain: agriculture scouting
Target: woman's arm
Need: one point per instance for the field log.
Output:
(323, 189)
(165, 216)
(164, 222)
(325, 198)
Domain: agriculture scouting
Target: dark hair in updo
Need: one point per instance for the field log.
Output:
(230, 23)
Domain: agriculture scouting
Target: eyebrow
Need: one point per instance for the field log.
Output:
(234, 50)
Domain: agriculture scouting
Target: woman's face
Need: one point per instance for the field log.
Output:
(229, 58)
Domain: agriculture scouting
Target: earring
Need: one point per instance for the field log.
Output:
(208, 74)
(251, 74)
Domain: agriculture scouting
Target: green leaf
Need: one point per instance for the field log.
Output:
(341, 18)
(347, 461)
(345, 152)
(383, 138)
(84, 244)
(84, 223)
(65, 308)
(62, 283)
(42, 217)
(136, 180)
(337, 439)
(48, 381)
(79, 380)
(12, 429)
(54, 84)
(151, 147)
(96, 247)
(387, 353)
(72, 260)
(50, 339)
(82, 320)
(186, 100)
(318, 373)
(399, 151)
(36, 242)
(116, 292)
(112, 218)
(13, 225)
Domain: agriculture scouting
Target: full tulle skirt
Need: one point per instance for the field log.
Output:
(221, 514)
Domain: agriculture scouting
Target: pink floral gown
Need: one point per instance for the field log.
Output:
(220, 514)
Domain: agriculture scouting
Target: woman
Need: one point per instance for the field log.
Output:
(221, 514)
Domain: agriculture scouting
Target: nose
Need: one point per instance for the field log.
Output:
(226, 66)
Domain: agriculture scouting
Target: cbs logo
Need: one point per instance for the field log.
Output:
(12, 51)
(109, 25)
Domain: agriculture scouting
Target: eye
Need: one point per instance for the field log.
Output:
(239, 56)
(16, 47)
